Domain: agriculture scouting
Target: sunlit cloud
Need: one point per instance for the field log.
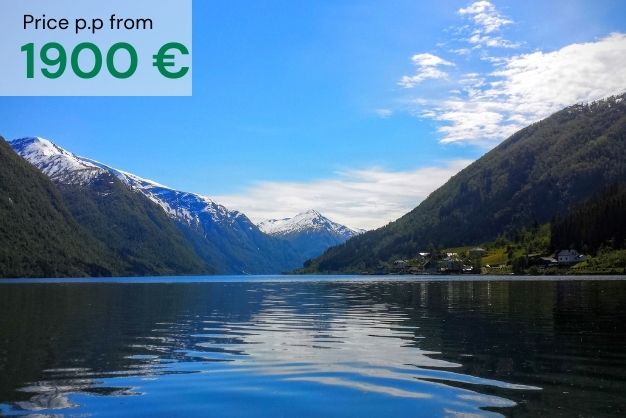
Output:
(357, 198)
(486, 22)
(525, 88)
(485, 15)
(427, 66)
(493, 94)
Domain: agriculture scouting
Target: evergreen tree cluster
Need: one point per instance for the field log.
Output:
(38, 235)
(598, 222)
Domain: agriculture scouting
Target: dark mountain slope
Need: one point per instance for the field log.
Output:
(144, 240)
(139, 236)
(598, 221)
(155, 229)
(38, 236)
(534, 175)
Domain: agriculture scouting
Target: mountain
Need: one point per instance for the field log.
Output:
(533, 176)
(224, 238)
(225, 241)
(38, 235)
(309, 232)
(142, 238)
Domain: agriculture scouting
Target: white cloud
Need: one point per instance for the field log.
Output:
(428, 60)
(427, 66)
(486, 22)
(485, 108)
(357, 198)
(491, 41)
(486, 16)
(526, 88)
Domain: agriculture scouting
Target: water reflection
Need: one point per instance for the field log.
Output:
(312, 349)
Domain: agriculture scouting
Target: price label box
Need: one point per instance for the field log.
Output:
(96, 48)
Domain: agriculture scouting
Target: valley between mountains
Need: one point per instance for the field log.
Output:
(557, 184)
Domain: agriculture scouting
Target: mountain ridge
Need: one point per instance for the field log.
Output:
(227, 241)
(537, 173)
(144, 240)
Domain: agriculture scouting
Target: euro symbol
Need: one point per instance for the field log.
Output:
(162, 60)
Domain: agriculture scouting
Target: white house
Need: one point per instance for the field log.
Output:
(568, 256)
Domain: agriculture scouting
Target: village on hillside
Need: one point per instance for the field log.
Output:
(529, 251)
(478, 260)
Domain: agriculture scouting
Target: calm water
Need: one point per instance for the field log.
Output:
(274, 347)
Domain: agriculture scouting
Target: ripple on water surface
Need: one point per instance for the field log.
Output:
(312, 348)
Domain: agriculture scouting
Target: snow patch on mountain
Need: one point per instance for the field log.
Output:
(225, 239)
(180, 205)
(309, 221)
(67, 168)
(55, 162)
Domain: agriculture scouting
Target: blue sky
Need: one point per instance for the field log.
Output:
(300, 104)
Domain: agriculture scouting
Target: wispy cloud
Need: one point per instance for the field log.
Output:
(358, 198)
(427, 66)
(525, 88)
(384, 113)
(494, 93)
(485, 15)
(486, 23)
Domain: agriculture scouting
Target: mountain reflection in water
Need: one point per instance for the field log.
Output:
(318, 348)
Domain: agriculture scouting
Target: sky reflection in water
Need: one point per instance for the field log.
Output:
(312, 348)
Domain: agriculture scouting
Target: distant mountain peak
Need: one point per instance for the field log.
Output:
(311, 212)
(41, 145)
(308, 221)
(309, 232)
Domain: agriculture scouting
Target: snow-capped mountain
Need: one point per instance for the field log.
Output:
(309, 232)
(64, 167)
(310, 220)
(226, 239)
(183, 206)
(55, 162)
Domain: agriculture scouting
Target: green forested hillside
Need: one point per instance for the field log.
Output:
(102, 229)
(598, 222)
(38, 236)
(144, 240)
(533, 176)
(154, 229)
